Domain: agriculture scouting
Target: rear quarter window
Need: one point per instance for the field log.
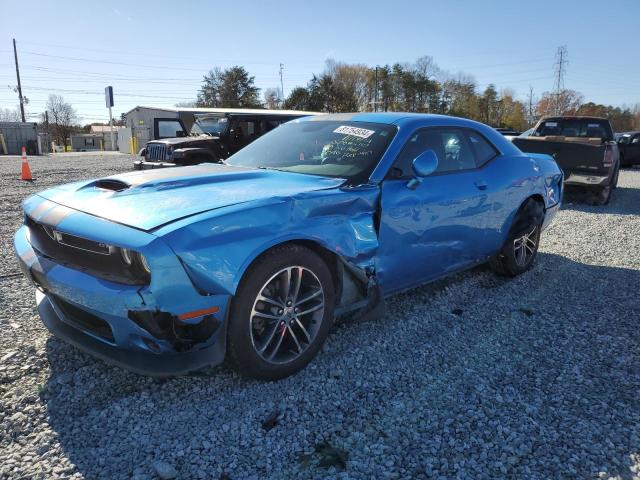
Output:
(483, 151)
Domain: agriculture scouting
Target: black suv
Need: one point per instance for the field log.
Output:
(213, 137)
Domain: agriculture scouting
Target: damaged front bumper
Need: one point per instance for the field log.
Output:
(163, 329)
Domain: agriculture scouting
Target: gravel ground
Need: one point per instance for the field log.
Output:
(472, 377)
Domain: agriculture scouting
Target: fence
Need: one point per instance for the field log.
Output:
(16, 135)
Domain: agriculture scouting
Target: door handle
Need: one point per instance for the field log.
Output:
(481, 184)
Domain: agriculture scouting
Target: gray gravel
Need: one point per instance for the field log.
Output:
(472, 377)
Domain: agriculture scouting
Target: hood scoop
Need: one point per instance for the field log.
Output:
(109, 184)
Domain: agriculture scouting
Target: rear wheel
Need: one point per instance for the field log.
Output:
(603, 195)
(281, 314)
(521, 248)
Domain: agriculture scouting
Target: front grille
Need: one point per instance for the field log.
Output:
(156, 151)
(84, 320)
(91, 257)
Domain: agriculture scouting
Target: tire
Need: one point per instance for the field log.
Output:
(603, 195)
(524, 237)
(269, 340)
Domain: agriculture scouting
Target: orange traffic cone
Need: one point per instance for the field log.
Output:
(26, 171)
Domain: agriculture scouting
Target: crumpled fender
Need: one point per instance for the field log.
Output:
(217, 247)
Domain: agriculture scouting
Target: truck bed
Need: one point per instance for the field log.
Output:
(581, 159)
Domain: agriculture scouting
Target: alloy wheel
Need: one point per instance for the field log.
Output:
(287, 314)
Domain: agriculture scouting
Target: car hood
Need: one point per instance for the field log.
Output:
(183, 140)
(149, 199)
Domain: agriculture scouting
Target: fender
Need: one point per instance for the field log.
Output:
(217, 248)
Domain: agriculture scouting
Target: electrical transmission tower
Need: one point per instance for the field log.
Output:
(281, 87)
(560, 68)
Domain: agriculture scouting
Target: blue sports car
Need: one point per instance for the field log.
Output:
(167, 271)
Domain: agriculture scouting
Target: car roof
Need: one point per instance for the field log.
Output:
(393, 118)
(574, 117)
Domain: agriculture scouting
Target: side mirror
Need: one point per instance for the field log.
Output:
(423, 165)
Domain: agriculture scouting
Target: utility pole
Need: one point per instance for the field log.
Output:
(15, 56)
(530, 119)
(560, 70)
(281, 86)
(375, 98)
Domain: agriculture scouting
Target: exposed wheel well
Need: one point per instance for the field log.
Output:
(526, 211)
(329, 257)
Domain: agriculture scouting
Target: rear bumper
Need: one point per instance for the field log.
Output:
(144, 165)
(586, 180)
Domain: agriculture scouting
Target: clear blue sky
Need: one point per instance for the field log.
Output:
(155, 52)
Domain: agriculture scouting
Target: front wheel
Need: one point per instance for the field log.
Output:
(281, 314)
(521, 248)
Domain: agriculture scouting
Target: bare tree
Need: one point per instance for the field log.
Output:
(62, 118)
(190, 104)
(566, 102)
(271, 98)
(8, 115)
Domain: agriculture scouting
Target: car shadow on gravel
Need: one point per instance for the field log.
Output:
(532, 377)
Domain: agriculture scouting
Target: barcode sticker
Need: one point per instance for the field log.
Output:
(355, 131)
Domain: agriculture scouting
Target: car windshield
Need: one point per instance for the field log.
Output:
(209, 126)
(348, 150)
(587, 128)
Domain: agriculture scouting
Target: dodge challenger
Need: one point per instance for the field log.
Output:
(167, 271)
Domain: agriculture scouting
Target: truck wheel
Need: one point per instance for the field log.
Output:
(521, 248)
(603, 195)
(281, 314)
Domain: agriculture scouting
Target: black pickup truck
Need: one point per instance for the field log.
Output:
(585, 149)
(629, 145)
(213, 137)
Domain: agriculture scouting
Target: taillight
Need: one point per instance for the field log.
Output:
(608, 157)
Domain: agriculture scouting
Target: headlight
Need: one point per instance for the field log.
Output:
(126, 255)
(136, 261)
(143, 262)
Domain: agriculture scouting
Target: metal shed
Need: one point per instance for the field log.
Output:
(86, 142)
(16, 135)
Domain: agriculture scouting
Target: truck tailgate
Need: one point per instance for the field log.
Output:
(571, 156)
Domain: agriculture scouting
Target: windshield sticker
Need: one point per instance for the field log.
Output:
(550, 124)
(593, 125)
(354, 131)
